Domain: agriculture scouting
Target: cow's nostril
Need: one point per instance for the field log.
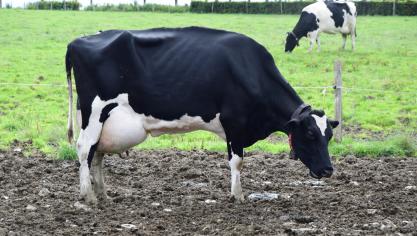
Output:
(327, 172)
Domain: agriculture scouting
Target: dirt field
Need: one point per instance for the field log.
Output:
(187, 193)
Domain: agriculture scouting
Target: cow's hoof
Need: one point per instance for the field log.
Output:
(102, 197)
(238, 199)
(89, 198)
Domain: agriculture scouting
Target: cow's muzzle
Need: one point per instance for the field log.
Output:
(326, 173)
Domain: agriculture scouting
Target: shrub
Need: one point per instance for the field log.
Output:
(54, 5)
(135, 7)
(363, 8)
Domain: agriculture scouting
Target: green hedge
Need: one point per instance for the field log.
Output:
(363, 8)
(136, 7)
(54, 5)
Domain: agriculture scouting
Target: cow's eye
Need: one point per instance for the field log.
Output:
(310, 134)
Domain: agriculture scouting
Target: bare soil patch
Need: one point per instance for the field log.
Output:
(173, 192)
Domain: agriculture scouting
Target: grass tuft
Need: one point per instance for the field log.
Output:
(66, 152)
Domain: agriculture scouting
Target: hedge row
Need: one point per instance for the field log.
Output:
(363, 8)
(136, 7)
(54, 5)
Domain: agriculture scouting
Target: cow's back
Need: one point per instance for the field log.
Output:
(333, 16)
(171, 72)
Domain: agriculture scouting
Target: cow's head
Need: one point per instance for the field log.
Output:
(291, 42)
(309, 134)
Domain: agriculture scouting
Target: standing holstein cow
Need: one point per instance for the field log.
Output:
(134, 83)
(324, 16)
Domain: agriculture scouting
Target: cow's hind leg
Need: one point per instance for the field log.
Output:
(235, 154)
(98, 177)
(85, 153)
(86, 147)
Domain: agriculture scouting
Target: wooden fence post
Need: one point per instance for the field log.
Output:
(338, 99)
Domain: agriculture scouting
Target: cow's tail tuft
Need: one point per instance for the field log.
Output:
(68, 67)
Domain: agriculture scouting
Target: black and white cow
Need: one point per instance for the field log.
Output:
(324, 16)
(134, 83)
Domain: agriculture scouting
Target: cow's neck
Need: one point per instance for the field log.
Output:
(302, 27)
(285, 102)
(299, 32)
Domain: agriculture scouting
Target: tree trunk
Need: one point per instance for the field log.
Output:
(0, 4)
(144, 2)
(176, 2)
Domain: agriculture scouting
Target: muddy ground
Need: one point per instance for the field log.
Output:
(175, 192)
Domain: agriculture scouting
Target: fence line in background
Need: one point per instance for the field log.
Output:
(345, 89)
(338, 100)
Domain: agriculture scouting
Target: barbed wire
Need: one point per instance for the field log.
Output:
(28, 84)
(324, 88)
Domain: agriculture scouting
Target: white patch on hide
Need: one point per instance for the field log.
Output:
(321, 123)
(184, 124)
(125, 128)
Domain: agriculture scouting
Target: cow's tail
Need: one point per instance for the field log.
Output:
(68, 67)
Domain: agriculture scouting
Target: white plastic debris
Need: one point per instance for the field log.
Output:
(44, 192)
(168, 210)
(354, 183)
(128, 226)
(155, 204)
(411, 187)
(81, 206)
(371, 211)
(30, 208)
(263, 196)
(209, 201)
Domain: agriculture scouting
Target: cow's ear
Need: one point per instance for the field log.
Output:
(334, 123)
(292, 123)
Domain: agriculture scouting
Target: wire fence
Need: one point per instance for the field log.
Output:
(323, 88)
(349, 108)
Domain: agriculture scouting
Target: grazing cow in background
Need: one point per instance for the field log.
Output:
(324, 16)
(134, 83)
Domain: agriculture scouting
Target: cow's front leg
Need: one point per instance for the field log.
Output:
(318, 44)
(353, 38)
(312, 36)
(344, 36)
(236, 164)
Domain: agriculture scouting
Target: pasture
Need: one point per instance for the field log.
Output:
(379, 114)
(181, 185)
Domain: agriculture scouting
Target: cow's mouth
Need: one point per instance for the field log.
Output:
(312, 174)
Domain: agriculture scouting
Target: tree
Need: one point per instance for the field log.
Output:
(144, 2)
(176, 2)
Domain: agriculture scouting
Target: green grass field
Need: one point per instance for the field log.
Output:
(382, 120)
